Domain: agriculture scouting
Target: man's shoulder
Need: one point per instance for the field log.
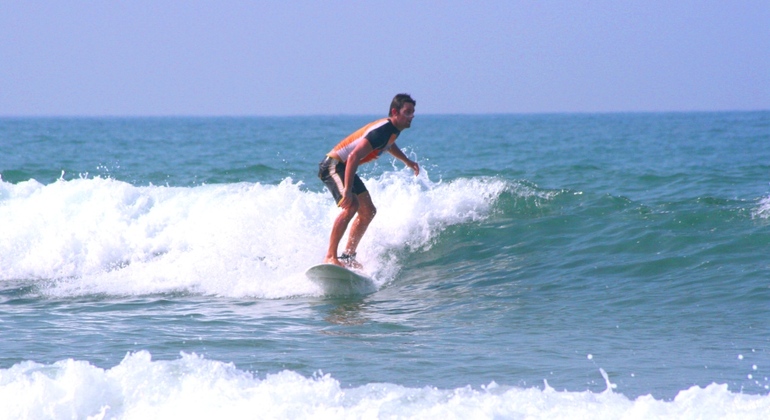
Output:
(382, 126)
(379, 135)
(379, 123)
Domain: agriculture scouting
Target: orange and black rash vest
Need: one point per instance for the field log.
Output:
(381, 134)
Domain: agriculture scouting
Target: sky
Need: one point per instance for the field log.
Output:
(338, 57)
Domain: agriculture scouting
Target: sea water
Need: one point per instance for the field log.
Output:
(540, 266)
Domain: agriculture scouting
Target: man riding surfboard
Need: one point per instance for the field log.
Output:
(338, 172)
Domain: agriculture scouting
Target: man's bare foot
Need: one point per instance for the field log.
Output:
(354, 264)
(350, 261)
(333, 260)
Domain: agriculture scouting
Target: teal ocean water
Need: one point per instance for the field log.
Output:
(541, 266)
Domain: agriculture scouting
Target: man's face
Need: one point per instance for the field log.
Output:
(403, 117)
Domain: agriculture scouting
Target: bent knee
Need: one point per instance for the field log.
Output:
(354, 208)
(369, 212)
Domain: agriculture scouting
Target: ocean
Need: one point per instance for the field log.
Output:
(540, 266)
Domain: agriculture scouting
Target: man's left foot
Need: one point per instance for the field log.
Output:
(334, 261)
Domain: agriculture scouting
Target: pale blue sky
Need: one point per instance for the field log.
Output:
(225, 57)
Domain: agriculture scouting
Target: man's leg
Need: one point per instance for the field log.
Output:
(366, 212)
(338, 230)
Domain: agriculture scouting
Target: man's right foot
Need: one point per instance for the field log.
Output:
(350, 261)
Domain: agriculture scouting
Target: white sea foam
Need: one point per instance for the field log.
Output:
(763, 209)
(194, 387)
(107, 236)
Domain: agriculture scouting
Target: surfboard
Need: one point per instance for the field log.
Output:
(336, 280)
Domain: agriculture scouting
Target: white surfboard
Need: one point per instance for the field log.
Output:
(336, 280)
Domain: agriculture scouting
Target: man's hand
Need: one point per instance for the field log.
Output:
(347, 200)
(415, 167)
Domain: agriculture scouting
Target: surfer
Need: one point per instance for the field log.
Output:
(338, 171)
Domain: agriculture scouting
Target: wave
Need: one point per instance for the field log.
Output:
(194, 387)
(104, 236)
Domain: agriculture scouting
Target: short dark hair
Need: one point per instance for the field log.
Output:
(399, 101)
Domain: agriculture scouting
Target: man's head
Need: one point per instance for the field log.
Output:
(402, 111)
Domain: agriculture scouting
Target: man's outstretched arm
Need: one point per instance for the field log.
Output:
(398, 154)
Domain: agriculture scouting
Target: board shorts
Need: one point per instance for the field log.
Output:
(332, 173)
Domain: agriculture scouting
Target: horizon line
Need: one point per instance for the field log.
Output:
(531, 113)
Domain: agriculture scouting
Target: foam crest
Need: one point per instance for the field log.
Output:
(411, 211)
(100, 235)
(763, 209)
(194, 387)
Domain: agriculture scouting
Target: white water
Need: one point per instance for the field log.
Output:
(193, 387)
(107, 236)
(763, 210)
